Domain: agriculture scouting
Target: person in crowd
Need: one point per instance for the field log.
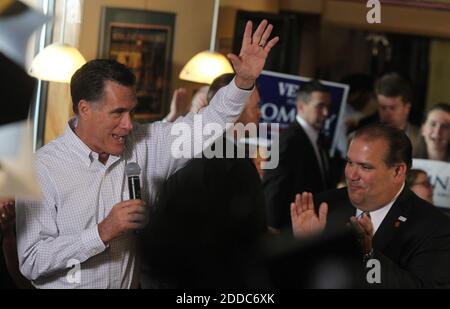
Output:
(394, 96)
(361, 103)
(81, 234)
(417, 181)
(200, 99)
(208, 217)
(409, 239)
(303, 162)
(434, 143)
(179, 105)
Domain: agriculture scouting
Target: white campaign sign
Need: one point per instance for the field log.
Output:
(439, 175)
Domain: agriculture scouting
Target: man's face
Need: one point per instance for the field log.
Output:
(371, 183)
(393, 110)
(251, 112)
(109, 121)
(316, 110)
(436, 130)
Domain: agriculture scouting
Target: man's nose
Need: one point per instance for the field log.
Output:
(352, 173)
(127, 122)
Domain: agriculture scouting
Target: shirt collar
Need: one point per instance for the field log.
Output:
(312, 133)
(378, 215)
(76, 145)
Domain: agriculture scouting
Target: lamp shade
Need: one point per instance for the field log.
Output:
(205, 67)
(56, 63)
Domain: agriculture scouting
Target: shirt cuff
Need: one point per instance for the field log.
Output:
(92, 242)
(237, 94)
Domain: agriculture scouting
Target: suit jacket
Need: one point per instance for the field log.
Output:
(207, 217)
(298, 171)
(414, 253)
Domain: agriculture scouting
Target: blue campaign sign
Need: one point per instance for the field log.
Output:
(278, 101)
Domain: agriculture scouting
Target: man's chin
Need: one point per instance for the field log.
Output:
(354, 197)
(117, 151)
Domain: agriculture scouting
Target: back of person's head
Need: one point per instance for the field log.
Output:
(417, 181)
(399, 145)
(361, 89)
(392, 85)
(412, 176)
(306, 89)
(88, 82)
(218, 83)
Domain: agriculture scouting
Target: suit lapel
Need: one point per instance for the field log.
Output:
(391, 224)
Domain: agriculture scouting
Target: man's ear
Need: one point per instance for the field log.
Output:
(84, 109)
(300, 105)
(408, 106)
(400, 172)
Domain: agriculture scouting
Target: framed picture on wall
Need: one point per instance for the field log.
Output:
(142, 40)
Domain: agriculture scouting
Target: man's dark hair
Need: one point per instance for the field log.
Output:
(218, 83)
(306, 89)
(89, 81)
(393, 85)
(399, 145)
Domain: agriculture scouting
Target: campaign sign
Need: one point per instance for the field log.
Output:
(278, 102)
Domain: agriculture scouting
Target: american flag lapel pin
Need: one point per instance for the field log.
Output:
(399, 221)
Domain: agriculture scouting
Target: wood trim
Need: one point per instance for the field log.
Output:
(408, 20)
(303, 6)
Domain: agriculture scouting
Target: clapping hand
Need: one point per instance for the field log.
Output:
(179, 106)
(364, 229)
(305, 221)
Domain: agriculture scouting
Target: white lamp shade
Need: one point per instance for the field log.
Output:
(205, 67)
(56, 63)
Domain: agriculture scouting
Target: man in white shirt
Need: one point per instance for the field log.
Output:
(409, 238)
(81, 233)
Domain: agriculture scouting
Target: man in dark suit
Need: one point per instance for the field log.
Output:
(408, 236)
(208, 217)
(304, 164)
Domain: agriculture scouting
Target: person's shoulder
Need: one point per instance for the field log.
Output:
(51, 149)
(293, 130)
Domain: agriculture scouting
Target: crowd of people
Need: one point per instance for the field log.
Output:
(204, 223)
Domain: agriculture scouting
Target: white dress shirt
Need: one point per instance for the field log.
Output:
(313, 136)
(378, 215)
(78, 192)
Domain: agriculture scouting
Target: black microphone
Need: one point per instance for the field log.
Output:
(132, 170)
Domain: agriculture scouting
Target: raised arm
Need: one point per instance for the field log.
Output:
(224, 108)
(305, 221)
